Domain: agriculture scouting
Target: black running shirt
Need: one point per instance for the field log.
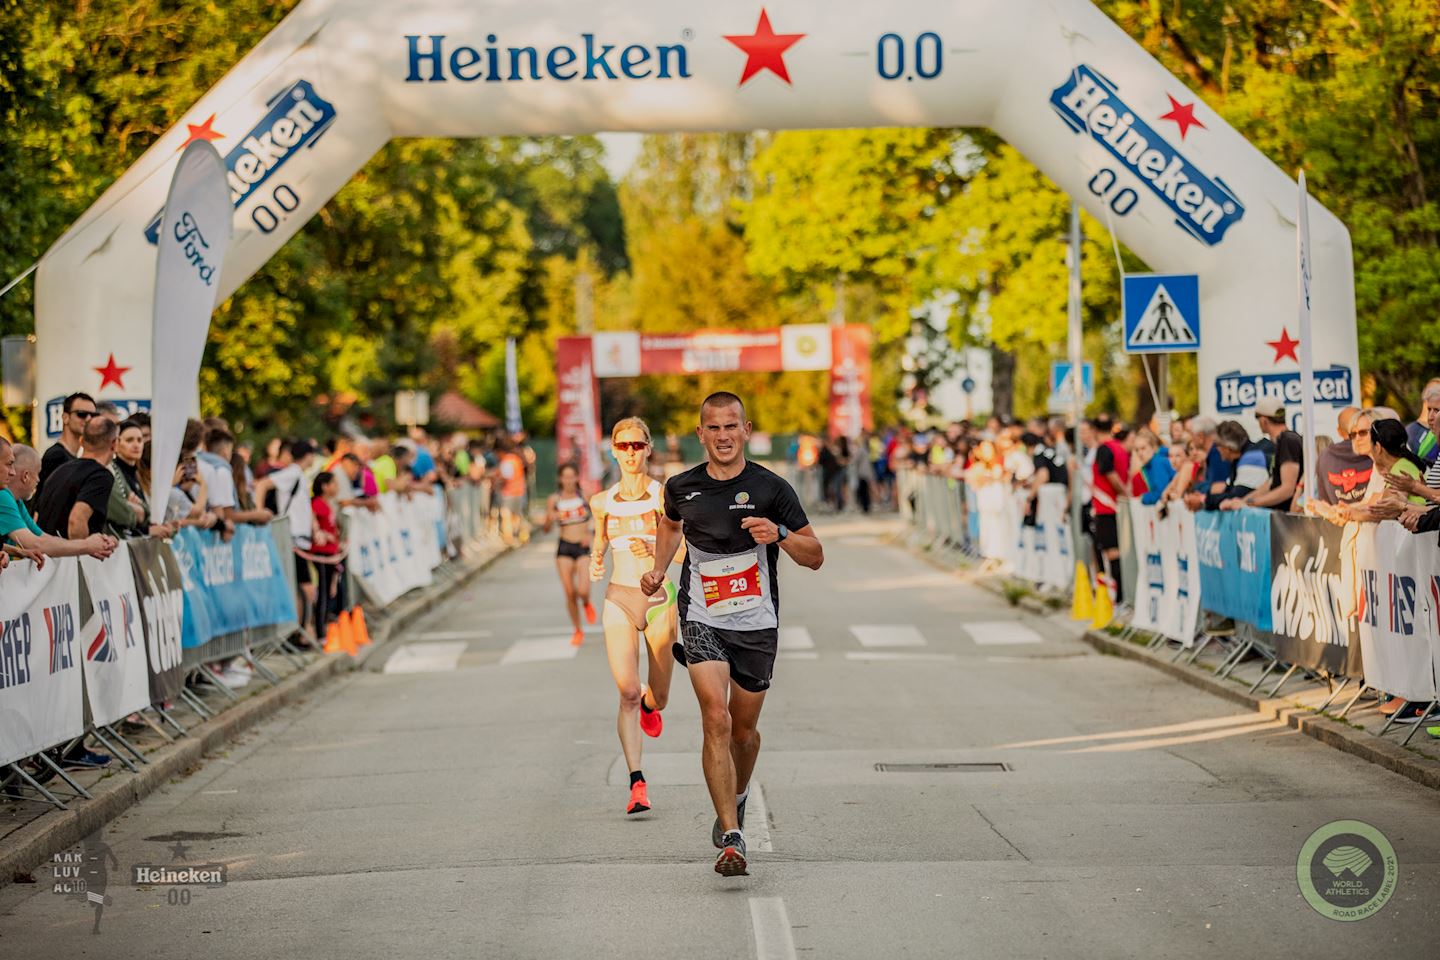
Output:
(728, 580)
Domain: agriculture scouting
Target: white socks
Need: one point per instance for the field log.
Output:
(740, 797)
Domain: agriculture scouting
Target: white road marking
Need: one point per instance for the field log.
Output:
(771, 924)
(540, 649)
(452, 635)
(888, 635)
(425, 658)
(561, 628)
(796, 638)
(757, 820)
(902, 657)
(997, 633)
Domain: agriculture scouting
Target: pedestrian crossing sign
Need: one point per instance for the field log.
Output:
(1162, 313)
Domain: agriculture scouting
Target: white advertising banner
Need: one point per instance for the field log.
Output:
(1398, 588)
(394, 549)
(41, 690)
(314, 100)
(1052, 533)
(1167, 585)
(1183, 554)
(194, 235)
(117, 678)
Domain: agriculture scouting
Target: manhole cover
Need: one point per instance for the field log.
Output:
(942, 768)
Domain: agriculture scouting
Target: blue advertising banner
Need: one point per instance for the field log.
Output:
(230, 586)
(1234, 553)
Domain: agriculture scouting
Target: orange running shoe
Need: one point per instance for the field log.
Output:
(650, 722)
(639, 799)
(577, 638)
(589, 612)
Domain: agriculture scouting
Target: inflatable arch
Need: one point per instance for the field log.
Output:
(298, 116)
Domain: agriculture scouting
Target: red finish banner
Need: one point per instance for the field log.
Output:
(630, 353)
(850, 380)
(577, 409)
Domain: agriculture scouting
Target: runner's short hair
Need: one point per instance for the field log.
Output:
(630, 423)
(723, 398)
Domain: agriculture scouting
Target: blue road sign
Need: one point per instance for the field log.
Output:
(1061, 383)
(1162, 313)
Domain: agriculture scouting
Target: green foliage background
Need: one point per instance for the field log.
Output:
(415, 272)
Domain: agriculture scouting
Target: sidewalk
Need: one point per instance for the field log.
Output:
(31, 831)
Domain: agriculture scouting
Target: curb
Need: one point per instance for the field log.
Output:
(1333, 733)
(33, 844)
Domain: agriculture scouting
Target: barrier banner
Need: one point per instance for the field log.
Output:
(1232, 551)
(230, 587)
(1154, 603)
(117, 677)
(1307, 604)
(162, 614)
(41, 695)
(1181, 526)
(1052, 535)
(1398, 582)
(393, 548)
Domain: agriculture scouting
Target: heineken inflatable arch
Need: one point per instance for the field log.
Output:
(337, 79)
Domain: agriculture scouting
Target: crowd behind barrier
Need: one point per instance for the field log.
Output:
(151, 622)
(1358, 602)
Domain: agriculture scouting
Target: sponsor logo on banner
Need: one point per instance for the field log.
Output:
(55, 413)
(298, 117)
(1236, 392)
(1090, 104)
(434, 58)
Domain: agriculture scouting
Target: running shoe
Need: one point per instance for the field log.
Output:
(1391, 705)
(731, 860)
(589, 612)
(86, 759)
(717, 835)
(1414, 713)
(577, 638)
(650, 722)
(639, 799)
(1433, 731)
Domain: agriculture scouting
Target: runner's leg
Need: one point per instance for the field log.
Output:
(568, 581)
(659, 637)
(622, 649)
(744, 733)
(711, 680)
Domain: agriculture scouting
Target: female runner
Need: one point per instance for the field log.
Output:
(626, 518)
(568, 510)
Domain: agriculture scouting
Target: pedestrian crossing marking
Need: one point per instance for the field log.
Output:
(888, 635)
(539, 650)
(998, 633)
(899, 657)
(796, 638)
(425, 658)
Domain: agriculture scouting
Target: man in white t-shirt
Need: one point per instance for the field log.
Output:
(290, 491)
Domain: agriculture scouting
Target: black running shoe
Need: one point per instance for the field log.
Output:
(677, 649)
(717, 836)
(731, 861)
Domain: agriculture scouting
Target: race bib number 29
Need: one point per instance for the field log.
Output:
(731, 584)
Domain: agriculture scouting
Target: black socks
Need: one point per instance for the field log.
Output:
(636, 777)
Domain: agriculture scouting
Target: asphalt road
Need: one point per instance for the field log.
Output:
(468, 802)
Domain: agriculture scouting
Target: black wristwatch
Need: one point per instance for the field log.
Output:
(783, 533)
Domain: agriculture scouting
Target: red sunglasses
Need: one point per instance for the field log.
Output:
(635, 445)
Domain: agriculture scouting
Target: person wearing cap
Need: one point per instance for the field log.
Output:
(1286, 468)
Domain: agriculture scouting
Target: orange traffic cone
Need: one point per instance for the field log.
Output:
(332, 639)
(362, 632)
(1082, 603)
(347, 634)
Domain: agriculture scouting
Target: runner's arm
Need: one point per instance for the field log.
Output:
(806, 549)
(599, 542)
(549, 512)
(667, 543)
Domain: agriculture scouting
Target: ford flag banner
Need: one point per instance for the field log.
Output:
(194, 235)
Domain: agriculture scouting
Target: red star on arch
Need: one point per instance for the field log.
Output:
(765, 49)
(112, 372)
(1184, 116)
(201, 131)
(1284, 347)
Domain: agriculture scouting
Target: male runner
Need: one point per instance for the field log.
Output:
(735, 517)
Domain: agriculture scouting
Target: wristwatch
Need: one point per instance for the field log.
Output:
(783, 533)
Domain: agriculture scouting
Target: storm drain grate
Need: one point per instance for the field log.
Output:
(942, 768)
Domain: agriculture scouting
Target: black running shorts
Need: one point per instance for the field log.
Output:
(1105, 531)
(750, 653)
